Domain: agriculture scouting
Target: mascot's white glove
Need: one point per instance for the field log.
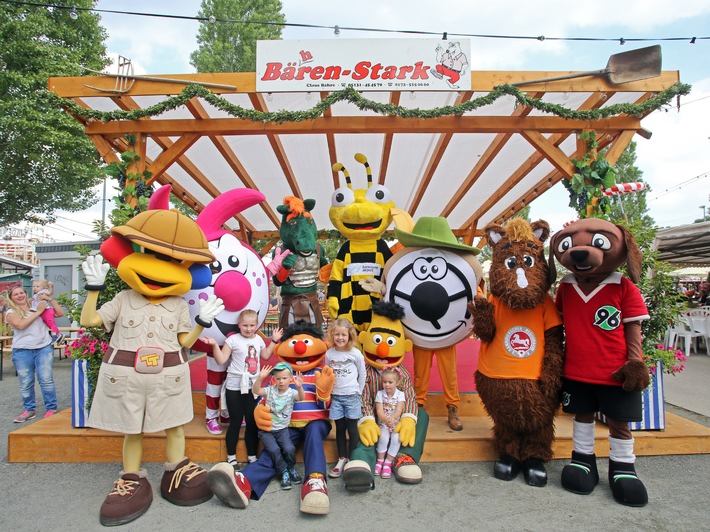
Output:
(95, 271)
(372, 285)
(275, 265)
(209, 308)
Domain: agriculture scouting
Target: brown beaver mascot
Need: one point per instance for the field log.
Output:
(521, 358)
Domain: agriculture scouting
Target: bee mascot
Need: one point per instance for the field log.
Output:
(362, 216)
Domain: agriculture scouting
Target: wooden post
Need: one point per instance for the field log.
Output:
(137, 167)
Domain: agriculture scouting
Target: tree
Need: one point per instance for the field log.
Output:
(631, 206)
(657, 286)
(47, 163)
(231, 46)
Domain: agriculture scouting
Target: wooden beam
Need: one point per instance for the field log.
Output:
(481, 81)
(362, 124)
(387, 146)
(219, 142)
(552, 153)
(172, 154)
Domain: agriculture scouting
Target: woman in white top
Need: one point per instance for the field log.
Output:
(32, 351)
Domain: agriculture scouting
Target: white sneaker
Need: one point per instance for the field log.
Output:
(337, 471)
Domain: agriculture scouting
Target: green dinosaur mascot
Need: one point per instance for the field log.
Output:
(298, 263)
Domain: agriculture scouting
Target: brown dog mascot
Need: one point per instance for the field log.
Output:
(521, 358)
(604, 371)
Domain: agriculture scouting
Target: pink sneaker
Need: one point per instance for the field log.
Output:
(49, 413)
(213, 426)
(386, 470)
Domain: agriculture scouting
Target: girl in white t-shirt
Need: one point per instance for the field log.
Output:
(348, 366)
(389, 405)
(243, 350)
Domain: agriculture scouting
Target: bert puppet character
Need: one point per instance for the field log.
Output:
(144, 380)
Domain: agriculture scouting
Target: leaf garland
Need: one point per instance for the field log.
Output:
(349, 94)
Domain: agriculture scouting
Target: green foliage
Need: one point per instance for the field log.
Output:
(231, 47)
(594, 173)
(47, 163)
(349, 94)
(130, 185)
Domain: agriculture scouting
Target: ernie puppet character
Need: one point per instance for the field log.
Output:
(302, 347)
(520, 361)
(144, 379)
(433, 277)
(384, 345)
(362, 216)
(602, 313)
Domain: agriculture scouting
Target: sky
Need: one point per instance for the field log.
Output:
(675, 162)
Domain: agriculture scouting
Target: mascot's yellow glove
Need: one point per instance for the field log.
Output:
(333, 307)
(369, 432)
(407, 428)
(325, 379)
(262, 417)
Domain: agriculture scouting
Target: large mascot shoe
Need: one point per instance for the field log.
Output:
(185, 484)
(506, 468)
(130, 498)
(626, 487)
(358, 476)
(406, 470)
(314, 495)
(581, 475)
(534, 472)
(230, 487)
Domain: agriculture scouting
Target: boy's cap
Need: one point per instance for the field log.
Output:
(280, 366)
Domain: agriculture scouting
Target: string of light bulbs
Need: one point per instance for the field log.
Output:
(74, 13)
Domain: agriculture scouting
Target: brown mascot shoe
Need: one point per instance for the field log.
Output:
(130, 498)
(454, 421)
(185, 484)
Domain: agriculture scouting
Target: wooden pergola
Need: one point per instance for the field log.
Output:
(479, 167)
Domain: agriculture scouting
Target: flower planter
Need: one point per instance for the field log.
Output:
(653, 407)
(79, 393)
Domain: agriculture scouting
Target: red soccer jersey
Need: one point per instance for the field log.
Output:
(595, 345)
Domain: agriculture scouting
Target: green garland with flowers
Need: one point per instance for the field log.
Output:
(350, 94)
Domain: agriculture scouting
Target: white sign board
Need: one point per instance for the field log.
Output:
(365, 64)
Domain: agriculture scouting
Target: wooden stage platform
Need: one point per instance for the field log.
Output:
(54, 439)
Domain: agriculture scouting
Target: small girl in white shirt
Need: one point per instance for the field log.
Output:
(345, 405)
(243, 350)
(389, 405)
